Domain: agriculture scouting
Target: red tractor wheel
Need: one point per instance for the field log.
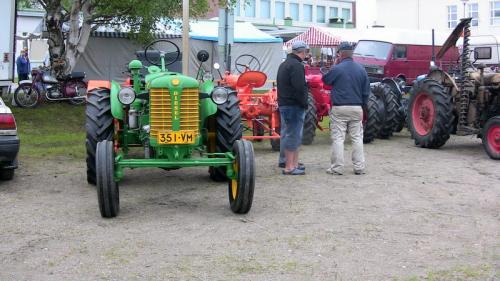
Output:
(491, 137)
(430, 115)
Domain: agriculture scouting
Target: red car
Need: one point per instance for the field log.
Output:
(9, 142)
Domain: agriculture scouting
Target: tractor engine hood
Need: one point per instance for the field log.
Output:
(170, 80)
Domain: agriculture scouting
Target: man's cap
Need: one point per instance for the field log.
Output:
(297, 45)
(345, 46)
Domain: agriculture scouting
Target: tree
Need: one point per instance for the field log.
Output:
(69, 23)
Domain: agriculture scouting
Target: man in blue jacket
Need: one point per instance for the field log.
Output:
(350, 90)
(23, 65)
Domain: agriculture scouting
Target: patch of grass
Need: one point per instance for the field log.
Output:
(51, 131)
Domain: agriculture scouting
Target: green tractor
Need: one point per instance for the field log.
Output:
(166, 120)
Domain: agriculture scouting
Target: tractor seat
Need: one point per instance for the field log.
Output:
(489, 78)
(73, 75)
(254, 79)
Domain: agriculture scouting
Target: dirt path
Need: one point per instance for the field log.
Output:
(420, 213)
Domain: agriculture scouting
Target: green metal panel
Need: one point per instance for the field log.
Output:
(116, 106)
(208, 107)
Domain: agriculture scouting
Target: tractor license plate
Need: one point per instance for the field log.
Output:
(181, 137)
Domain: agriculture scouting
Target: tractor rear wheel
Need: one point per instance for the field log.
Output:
(430, 114)
(310, 121)
(392, 106)
(6, 174)
(228, 130)
(373, 118)
(99, 126)
(491, 137)
(241, 188)
(107, 188)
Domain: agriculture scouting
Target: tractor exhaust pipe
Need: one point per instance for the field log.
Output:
(433, 58)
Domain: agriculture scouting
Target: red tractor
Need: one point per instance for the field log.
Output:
(259, 112)
(382, 116)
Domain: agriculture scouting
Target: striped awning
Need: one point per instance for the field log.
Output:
(114, 34)
(315, 37)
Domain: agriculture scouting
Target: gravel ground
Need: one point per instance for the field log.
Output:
(417, 214)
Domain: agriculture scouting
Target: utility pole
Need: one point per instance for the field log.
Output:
(185, 37)
(465, 3)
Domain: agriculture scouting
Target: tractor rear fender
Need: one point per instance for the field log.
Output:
(94, 84)
(445, 79)
(114, 87)
(116, 106)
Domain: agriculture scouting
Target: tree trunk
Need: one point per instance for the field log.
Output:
(72, 47)
(53, 21)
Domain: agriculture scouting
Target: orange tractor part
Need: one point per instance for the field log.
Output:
(258, 111)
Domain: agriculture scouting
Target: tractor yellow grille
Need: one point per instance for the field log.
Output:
(161, 113)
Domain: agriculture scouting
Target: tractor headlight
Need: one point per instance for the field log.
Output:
(126, 95)
(219, 95)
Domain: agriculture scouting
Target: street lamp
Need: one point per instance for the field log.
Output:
(465, 2)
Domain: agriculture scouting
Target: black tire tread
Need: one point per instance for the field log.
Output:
(310, 121)
(443, 125)
(99, 126)
(375, 112)
(228, 130)
(392, 105)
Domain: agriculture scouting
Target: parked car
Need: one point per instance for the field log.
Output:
(9, 142)
(396, 53)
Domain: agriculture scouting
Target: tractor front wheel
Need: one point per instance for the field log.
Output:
(491, 137)
(107, 188)
(241, 187)
(373, 117)
(310, 121)
(430, 114)
(99, 126)
(228, 129)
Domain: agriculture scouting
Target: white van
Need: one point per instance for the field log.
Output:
(485, 49)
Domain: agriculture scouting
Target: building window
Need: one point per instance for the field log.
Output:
(279, 10)
(265, 9)
(474, 14)
(346, 14)
(495, 12)
(452, 16)
(482, 52)
(320, 14)
(250, 8)
(334, 12)
(294, 11)
(308, 13)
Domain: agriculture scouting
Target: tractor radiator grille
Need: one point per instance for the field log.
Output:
(162, 113)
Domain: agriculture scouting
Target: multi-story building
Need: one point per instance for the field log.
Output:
(441, 15)
(302, 13)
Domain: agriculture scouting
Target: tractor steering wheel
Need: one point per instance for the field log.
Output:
(156, 49)
(246, 62)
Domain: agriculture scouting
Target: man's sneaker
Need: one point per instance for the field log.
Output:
(359, 172)
(300, 167)
(333, 172)
(294, 172)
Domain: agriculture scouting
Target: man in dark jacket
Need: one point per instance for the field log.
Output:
(349, 95)
(292, 102)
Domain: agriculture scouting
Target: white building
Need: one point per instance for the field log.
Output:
(302, 12)
(442, 15)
